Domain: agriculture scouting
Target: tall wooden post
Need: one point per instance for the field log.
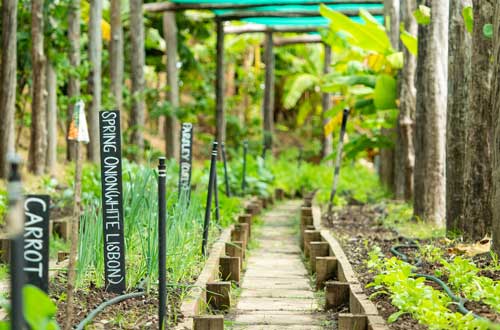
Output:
(327, 104)
(219, 85)
(268, 106)
(171, 122)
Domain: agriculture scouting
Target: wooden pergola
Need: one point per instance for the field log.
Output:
(246, 11)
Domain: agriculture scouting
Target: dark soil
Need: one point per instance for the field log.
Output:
(138, 313)
(359, 231)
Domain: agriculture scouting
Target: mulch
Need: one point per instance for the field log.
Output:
(131, 314)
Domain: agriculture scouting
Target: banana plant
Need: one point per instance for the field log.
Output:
(364, 77)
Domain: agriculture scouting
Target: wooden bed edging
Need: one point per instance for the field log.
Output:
(346, 288)
(195, 304)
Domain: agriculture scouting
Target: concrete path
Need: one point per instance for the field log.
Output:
(275, 291)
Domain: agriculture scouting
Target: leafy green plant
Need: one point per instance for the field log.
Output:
(413, 296)
(39, 310)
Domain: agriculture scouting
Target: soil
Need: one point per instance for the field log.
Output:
(358, 230)
(132, 314)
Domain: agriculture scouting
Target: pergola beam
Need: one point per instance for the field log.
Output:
(257, 28)
(303, 39)
(157, 7)
(237, 15)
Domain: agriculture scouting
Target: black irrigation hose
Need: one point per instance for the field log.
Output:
(110, 302)
(458, 300)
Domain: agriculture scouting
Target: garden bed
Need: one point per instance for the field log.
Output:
(360, 230)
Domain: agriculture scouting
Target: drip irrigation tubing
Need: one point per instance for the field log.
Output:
(418, 263)
(115, 300)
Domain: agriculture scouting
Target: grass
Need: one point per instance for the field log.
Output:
(399, 217)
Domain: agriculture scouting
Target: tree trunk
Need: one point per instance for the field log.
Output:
(116, 53)
(8, 65)
(74, 60)
(459, 85)
(326, 105)
(392, 18)
(51, 77)
(38, 141)
(387, 155)
(495, 91)
(137, 118)
(172, 127)
(405, 153)
(430, 129)
(95, 82)
(478, 175)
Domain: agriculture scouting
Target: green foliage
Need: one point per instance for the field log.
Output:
(39, 310)
(488, 30)
(468, 15)
(399, 216)
(409, 41)
(413, 296)
(356, 181)
(385, 93)
(370, 36)
(3, 203)
(463, 275)
(423, 15)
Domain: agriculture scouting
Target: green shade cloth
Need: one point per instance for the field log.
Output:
(299, 21)
(292, 8)
(299, 5)
(243, 2)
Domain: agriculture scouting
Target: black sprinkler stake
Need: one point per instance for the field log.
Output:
(162, 238)
(211, 182)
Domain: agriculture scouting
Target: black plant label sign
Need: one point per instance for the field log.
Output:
(36, 240)
(186, 159)
(112, 201)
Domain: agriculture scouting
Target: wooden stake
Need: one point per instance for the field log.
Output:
(74, 239)
(326, 270)
(352, 322)
(336, 294)
(310, 236)
(208, 322)
(317, 249)
(219, 295)
(229, 268)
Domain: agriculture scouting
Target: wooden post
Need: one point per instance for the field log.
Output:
(235, 249)
(62, 255)
(268, 106)
(240, 233)
(326, 104)
(219, 85)
(219, 295)
(61, 228)
(326, 270)
(246, 218)
(229, 268)
(310, 236)
(317, 249)
(336, 294)
(352, 322)
(208, 322)
(279, 194)
(305, 221)
(171, 122)
(4, 250)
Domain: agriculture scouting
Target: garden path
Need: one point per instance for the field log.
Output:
(276, 292)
